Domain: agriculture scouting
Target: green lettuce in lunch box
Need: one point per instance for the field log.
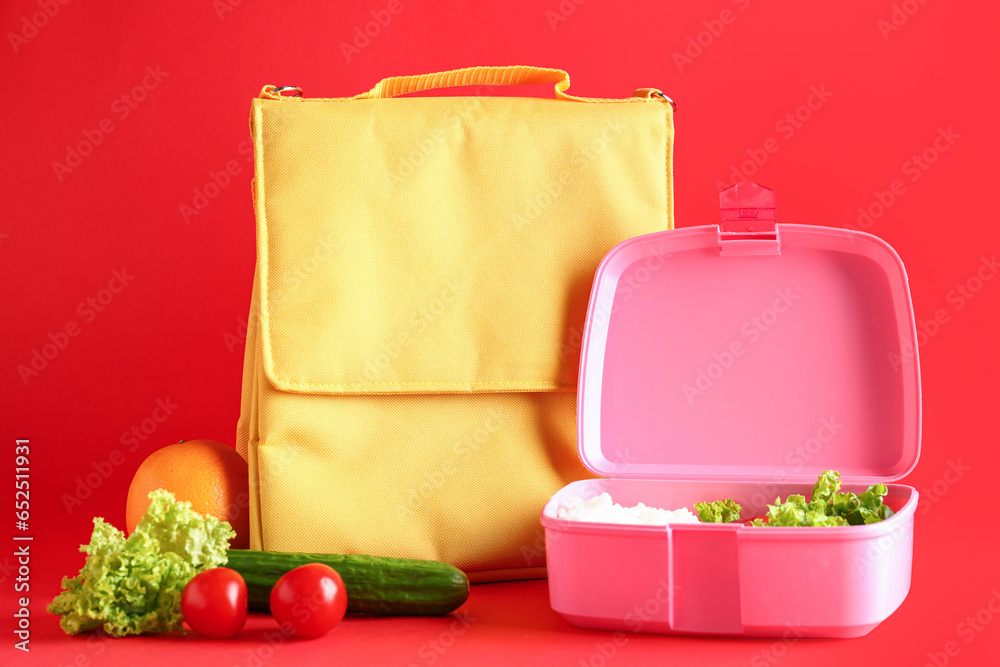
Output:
(720, 511)
(133, 585)
(828, 507)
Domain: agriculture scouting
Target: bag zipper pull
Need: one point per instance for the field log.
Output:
(655, 92)
(270, 92)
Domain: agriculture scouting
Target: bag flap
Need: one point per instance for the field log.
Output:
(444, 244)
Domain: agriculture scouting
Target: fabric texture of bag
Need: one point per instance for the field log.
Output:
(423, 271)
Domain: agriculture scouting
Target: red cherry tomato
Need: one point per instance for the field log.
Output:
(310, 600)
(214, 603)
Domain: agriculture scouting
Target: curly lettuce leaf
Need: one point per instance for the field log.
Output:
(871, 507)
(720, 511)
(826, 486)
(133, 585)
(828, 506)
(843, 503)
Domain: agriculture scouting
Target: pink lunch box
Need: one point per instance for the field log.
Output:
(740, 361)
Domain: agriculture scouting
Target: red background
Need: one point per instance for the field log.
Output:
(897, 74)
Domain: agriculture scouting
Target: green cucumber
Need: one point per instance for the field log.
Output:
(375, 585)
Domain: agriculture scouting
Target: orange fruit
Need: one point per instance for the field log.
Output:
(212, 476)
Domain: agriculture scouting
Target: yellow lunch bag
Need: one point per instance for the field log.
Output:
(423, 271)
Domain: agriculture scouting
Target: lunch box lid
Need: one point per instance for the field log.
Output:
(750, 351)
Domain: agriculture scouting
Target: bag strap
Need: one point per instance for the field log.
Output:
(511, 75)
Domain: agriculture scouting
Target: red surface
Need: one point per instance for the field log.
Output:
(165, 351)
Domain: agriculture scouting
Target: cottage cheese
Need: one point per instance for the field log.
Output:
(601, 509)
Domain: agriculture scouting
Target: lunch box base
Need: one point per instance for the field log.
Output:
(726, 579)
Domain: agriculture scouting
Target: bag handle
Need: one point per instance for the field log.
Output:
(510, 75)
(513, 75)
